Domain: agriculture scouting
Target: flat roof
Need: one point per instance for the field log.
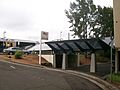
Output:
(78, 45)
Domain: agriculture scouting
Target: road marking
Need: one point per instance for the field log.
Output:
(13, 67)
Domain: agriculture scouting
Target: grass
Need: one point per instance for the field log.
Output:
(114, 78)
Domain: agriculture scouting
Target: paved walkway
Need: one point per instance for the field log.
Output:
(102, 69)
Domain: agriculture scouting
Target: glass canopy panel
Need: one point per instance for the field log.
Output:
(94, 44)
(63, 46)
(73, 46)
(55, 46)
(83, 45)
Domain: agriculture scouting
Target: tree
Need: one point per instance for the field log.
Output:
(105, 20)
(90, 21)
(80, 15)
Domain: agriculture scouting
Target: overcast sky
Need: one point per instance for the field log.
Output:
(25, 19)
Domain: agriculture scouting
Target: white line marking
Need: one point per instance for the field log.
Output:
(13, 67)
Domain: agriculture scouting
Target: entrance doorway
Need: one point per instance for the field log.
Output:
(59, 58)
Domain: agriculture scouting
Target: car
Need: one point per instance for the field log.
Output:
(12, 50)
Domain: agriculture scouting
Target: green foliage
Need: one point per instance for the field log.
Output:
(114, 78)
(18, 54)
(89, 20)
(105, 22)
(80, 14)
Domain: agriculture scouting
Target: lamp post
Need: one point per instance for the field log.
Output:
(68, 36)
(60, 35)
(111, 57)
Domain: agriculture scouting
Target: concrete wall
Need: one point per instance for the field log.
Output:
(49, 58)
(116, 9)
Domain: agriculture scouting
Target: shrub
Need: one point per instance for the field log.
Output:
(114, 78)
(18, 54)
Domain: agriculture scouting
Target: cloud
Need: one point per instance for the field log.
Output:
(14, 17)
(14, 20)
(26, 18)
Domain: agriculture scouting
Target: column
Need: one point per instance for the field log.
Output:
(93, 63)
(116, 62)
(78, 59)
(13, 44)
(64, 61)
(54, 61)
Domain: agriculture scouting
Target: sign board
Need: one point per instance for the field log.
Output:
(44, 35)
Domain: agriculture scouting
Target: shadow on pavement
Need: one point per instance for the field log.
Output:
(102, 69)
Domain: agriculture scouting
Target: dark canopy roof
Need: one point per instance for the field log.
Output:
(79, 45)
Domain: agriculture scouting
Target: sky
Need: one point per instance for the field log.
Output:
(25, 19)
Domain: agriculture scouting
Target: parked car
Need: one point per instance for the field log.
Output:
(12, 50)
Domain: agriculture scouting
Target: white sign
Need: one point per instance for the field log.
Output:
(44, 35)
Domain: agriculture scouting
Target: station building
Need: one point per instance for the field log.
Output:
(5, 43)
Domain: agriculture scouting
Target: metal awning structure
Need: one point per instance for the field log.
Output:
(79, 45)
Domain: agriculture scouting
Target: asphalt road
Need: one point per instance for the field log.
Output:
(16, 77)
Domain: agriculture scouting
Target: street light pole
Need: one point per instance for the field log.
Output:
(60, 35)
(68, 36)
(111, 57)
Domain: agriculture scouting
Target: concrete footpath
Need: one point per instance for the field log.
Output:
(99, 82)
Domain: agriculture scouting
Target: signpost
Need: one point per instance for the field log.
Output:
(44, 36)
(4, 39)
